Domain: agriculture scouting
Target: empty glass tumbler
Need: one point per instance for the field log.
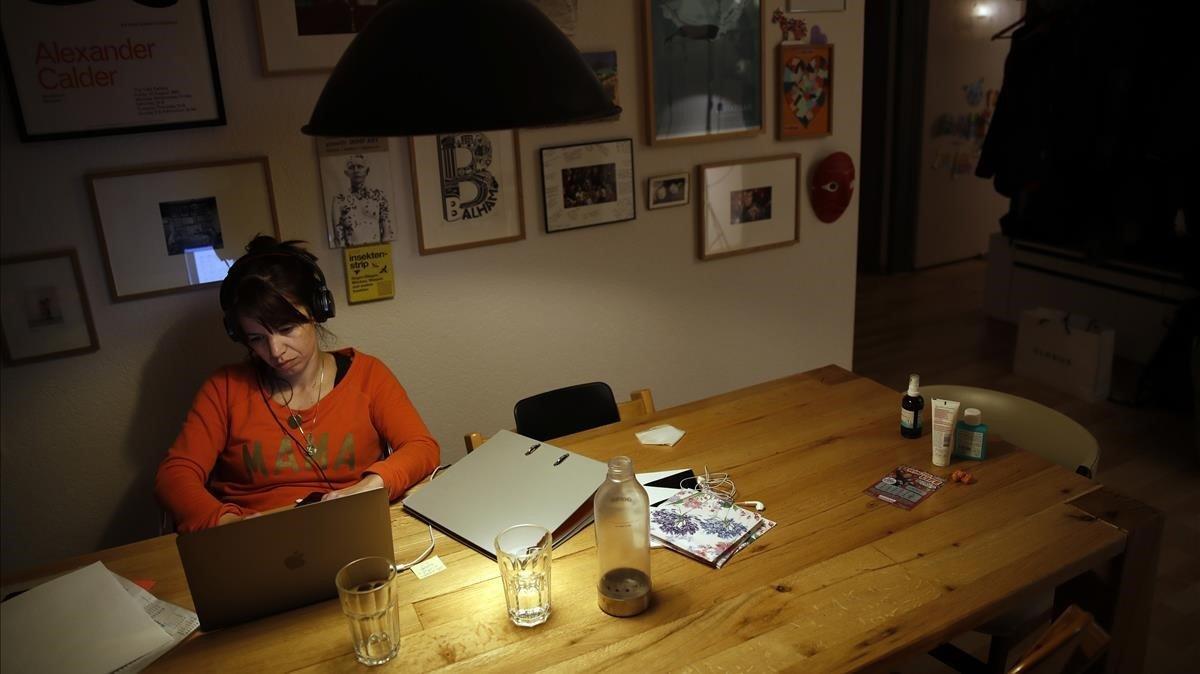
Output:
(524, 552)
(369, 597)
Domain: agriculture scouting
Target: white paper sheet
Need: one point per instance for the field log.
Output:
(83, 621)
(176, 621)
(660, 435)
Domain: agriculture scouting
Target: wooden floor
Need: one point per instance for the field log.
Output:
(932, 322)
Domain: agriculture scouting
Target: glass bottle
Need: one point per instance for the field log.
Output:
(910, 408)
(622, 541)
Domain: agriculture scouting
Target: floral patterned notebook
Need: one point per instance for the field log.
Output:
(702, 526)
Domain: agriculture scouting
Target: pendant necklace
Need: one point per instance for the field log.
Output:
(294, 419)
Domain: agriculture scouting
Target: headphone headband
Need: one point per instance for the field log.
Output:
(321, 302)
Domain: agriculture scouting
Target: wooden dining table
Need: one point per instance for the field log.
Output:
(844, 582)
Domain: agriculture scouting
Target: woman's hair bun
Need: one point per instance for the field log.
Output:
(264, 244)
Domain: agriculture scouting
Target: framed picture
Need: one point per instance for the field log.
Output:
(466, 190)
(308, 36)
(805, 90)
(44, 308)
(749, 205)
(356, 177)
(588, 184)
(179, 227)
(704, 69)
(604, 65)
(111, 66)
(816, 5)
(667, 191)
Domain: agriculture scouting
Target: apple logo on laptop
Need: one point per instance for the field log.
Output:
(294, 560)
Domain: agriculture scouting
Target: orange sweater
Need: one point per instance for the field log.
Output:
(232, 441)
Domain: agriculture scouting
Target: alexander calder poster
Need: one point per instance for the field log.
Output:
(107, 66)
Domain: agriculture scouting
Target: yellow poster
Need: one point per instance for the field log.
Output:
(369, 275)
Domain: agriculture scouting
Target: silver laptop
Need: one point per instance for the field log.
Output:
(282, 560)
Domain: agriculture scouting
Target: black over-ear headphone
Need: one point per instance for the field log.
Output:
(321, 302)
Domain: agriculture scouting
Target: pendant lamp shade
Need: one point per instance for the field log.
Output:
(444, 66)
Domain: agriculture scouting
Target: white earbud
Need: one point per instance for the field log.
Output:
(758, 505)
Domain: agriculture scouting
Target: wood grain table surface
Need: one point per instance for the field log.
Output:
(844, 582)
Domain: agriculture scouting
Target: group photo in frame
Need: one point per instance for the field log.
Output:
(805, 90)
(669, 190)
(110, 67)
(44, 310)
(466, 190)
(748, 205)
(704, 70)
(308, 36)
(171, 228)
(588, 184)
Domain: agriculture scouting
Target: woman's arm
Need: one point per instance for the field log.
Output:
(414, 451)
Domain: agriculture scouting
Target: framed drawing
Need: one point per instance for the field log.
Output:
(44, 308)
(748, 205)
(172, 228)
(308, 36)
(805, 89)
(466, 190)
(108, 67)
(667, 191)
(588, 184)
(704, 69)
(356, 177)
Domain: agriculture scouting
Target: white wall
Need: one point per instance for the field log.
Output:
(957, 213)
(468, 333)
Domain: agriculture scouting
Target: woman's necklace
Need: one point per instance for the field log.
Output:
(294, 419)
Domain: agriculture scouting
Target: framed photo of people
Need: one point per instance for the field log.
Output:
(667, 191)
(170, 228)
(356, 177)
(110, 66)
(588, 184)
(44, 308)
(805, 89)
(466, 190)
(308, 36)
(748, 205)
(704, 70)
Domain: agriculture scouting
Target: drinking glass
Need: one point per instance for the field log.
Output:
(369, 597)
(523, 552)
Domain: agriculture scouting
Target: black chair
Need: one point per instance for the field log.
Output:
(640, 404)
(564, 411)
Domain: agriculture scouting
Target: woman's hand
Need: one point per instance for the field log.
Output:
(230, 518)
(369, 481)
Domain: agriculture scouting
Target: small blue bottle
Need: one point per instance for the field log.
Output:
(970, 436)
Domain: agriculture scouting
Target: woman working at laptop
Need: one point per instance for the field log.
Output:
(293, 419)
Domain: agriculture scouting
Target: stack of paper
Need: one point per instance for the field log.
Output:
(705, 526)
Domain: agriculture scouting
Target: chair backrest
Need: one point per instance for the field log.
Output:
(640, 404)
(566, 410)
(1072, 644)
(1026, 424)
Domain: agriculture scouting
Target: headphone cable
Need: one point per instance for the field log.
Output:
(300, 445)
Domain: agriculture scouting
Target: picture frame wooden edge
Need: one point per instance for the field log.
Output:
(647, 61)
(542, 175)
(91, 177)
(218, 98)
(782, 107)
(422, 249)
(701, 186)
(85, 304)
(788, 8)
(265, 61)
(668, 176)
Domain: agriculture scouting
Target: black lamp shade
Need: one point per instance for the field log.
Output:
(443, 66)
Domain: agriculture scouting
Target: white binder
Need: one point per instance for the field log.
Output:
(510, 479)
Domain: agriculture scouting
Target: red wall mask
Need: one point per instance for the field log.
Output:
(832, 186)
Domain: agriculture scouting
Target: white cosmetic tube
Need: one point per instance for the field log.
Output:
(945, 413)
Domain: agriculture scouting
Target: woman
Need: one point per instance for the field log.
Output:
(294, 419)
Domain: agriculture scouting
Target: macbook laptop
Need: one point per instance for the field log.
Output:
(281, 560)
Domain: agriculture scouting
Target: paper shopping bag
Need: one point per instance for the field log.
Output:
(1067, 351)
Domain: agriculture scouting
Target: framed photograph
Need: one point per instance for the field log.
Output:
(356, 177)
(44, 308)
(667, 191)
(805, 90)
(172, 228)
(588, 184)
(604, 65)
(704, 70)
(748, 205)
(110, 66)
(308, 36)
(466, 190)
(816, 5)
